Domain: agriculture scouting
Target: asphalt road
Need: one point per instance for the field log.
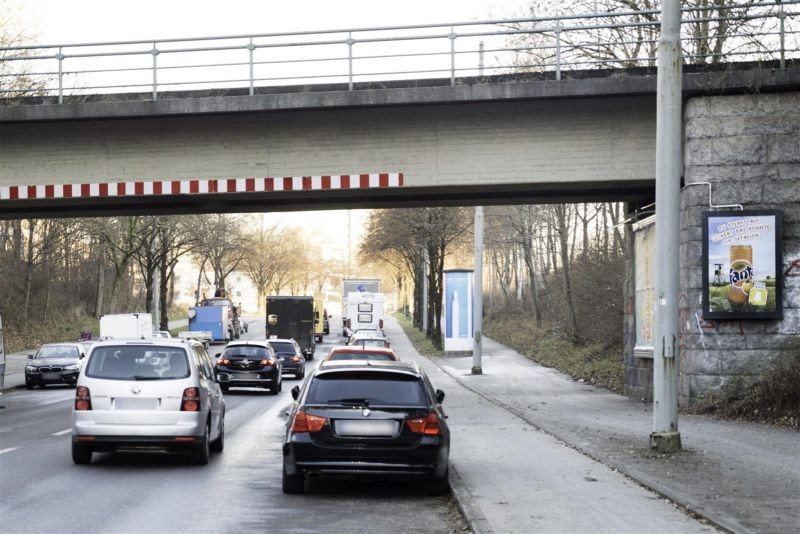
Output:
(41, 490)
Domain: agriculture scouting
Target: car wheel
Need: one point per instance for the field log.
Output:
(274, 390)
(201, 453)
(293, 484)
(301, 374)
(440, 485)
(218, 444)
(81, 455)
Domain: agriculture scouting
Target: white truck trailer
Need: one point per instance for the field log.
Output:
(126, 326)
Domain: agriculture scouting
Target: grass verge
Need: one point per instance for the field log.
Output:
(597, 363)
(63, 329)
(418, 339)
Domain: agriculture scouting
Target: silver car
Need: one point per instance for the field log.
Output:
(148, 395)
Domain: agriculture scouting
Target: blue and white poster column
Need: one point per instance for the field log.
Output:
(458, 310)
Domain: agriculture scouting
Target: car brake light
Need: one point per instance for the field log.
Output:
(304, 422)
(83, 400)
(428, 425)
(223, 361)
(191, 400)
(268, 361)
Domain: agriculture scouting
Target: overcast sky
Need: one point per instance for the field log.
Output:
(71, 21)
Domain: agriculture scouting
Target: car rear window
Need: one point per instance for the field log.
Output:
(282, 346)
(138, 363)
(58, 352)
(361, 355)
(249, 352)
(377, 389)
(368, 342)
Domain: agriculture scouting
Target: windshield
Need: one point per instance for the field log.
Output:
(138, 363)
(59, 351)
(374, 389)
(368, 342)
(282, 347)
(250, 352)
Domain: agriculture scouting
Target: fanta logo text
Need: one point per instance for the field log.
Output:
(740, 275)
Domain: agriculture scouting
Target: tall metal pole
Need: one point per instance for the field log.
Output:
(477, 294)
(665, 436)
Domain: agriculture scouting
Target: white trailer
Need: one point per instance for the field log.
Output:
(364, 311)
(126, 326)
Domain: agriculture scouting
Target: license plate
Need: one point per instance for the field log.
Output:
(135, 404)
(366, 428)
(51, 376)
(244, 376)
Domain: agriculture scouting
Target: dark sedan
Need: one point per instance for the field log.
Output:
(368, 418)
(54, 363)
(291, 356)
(249, 364)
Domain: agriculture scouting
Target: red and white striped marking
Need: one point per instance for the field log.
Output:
(201, 187)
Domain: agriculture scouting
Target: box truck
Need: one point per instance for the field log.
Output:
(356, 285)
(290, 317)
(126, 326)
(364, 311)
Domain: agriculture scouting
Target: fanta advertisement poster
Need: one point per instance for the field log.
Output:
(741, 270)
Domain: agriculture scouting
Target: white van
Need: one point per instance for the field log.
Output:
(364, 312)
(126, 326)
(158, 394)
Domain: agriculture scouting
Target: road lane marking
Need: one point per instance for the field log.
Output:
(8, 450)
(62, 432)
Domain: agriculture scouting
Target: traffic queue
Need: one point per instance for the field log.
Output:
(361, 411)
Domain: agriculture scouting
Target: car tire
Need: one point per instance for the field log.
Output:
(201, 453)
(274, 390)
(293, 484)
(440, 485)
(28, 386)
(301, 374)
(81, 455)
(218, 444)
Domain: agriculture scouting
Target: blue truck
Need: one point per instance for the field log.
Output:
(212, 319)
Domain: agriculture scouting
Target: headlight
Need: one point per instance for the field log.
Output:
(72, 367)
(30, 369)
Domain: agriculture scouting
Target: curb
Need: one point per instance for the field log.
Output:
(466, 504)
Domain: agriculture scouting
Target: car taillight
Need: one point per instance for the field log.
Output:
(223, 361)
(83, 400)
(428, 425)
(191, 400)
(295, 358)
(304, 422)
(268, 361)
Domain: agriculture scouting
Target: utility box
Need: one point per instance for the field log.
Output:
(126, 326)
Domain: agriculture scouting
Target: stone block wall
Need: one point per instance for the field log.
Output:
(748, 148)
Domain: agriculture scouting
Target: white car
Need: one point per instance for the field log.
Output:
(148, 394)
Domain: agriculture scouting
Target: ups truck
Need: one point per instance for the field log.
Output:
(291, 317)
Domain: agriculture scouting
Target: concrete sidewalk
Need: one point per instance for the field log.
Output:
(743, 477)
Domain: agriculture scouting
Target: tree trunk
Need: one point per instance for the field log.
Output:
(101, 282)
(565, 269)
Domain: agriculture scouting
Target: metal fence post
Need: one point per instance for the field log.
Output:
(452, 37)
(251, 47)
(480, 58)
(350, 43)
(154, 52)
(558, 50)
(782, 18)
(60, 57)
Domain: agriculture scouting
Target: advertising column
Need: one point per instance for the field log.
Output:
(458, 310)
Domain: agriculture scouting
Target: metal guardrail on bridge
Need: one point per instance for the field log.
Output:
(743, 32)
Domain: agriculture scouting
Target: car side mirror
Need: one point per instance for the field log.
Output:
(439, 396)
(295, 392)
(30, 356)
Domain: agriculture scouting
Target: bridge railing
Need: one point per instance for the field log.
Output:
(555, 47)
